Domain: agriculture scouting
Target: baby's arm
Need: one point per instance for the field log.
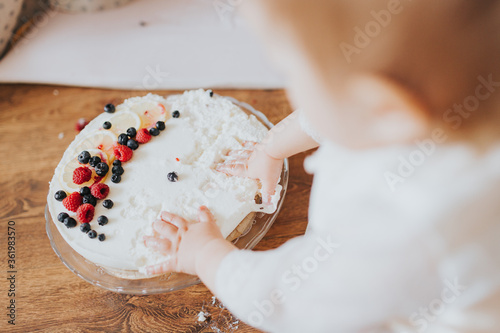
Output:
(199, 248)
(264, 160)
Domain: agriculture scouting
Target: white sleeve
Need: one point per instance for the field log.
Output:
(313, 284)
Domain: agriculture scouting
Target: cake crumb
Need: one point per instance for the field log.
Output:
(60, 135)
(202, 316)
(55, 92)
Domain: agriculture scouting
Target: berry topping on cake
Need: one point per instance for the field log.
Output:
(69, 222)
(92, 234)
(143, 135)
(90, 199)
(109, 108)
(154, 131)
(72, 201)
(172, 176)
(131, 132)
(117, 170)
(60, 195)
(106, 125)
(122, 139)
(81, 175)
(123, 153)
(116, 178)
(84, 157)
(132, 144)
(62, 216)
(80, 124)
(101, 169)
(160, 125)
(117, 163)
(85, 227)
(101, 237)
(84, 191)
(108, 203)
(94, 160)
(102, 220)
(176, 114)
(99, 190)
(85, 213)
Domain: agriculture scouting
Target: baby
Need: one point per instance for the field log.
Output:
(404, 220)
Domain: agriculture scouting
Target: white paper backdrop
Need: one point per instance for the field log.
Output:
(148, 44)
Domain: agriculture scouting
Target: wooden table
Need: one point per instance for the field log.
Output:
(48, 296)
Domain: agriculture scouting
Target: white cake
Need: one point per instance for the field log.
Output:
(191, 145)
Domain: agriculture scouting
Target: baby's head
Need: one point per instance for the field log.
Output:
(377, 72)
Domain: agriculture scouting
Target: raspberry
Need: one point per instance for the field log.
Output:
(142, 136)
(81, 175)
(99, 190)
(72, 201)
(85, 213)
(122, 153)
(81, 123)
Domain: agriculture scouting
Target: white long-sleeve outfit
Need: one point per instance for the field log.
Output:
(420, 255)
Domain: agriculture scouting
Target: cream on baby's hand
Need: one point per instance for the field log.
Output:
(182, 240)
(253, 162)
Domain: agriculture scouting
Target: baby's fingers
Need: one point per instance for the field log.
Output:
(164, 267)
(249, 144)
(161, 245)
(174, 220)
(205, 215)
(240, 153)
(165, 229)
(268, 190)
(235, 168)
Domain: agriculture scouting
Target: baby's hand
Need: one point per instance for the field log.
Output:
(182, 240)
(252, 161)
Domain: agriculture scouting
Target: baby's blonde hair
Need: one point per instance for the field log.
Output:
(441, 51)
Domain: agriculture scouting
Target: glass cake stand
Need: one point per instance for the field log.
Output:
(98, 275)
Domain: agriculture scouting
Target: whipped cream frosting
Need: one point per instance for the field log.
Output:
(191, 145)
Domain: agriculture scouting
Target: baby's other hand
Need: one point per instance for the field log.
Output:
(252, 161)
(182, 240)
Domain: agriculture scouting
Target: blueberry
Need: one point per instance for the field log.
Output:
(85, 227)
(109, 108)
(94, 160)
(101, 169)
(60, 195)
(102, 220)
(92, 234)
(176, 114)
(89, 198)
(116, 178)
(160, 125)
(117, 162)
(84, 191)
(108, 203)
(154, 131)
(122, 139)
(172, 176)
(131, 132)
(62, 216)
(106, 125)
(101, 237)
(69, 222)
(84, 157)
(117, 170)
(132, 144)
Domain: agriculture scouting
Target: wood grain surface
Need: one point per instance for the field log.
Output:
(48, 296)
